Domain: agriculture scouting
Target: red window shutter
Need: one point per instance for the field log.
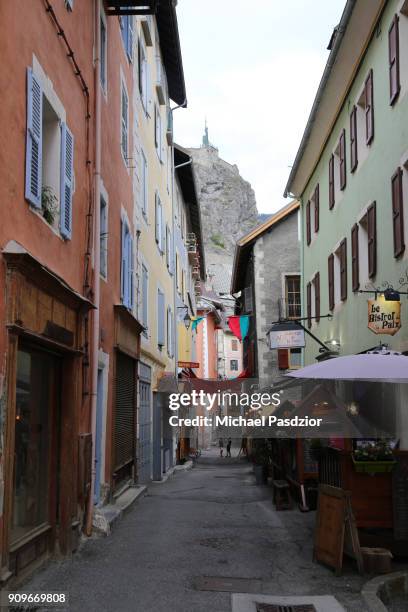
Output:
(397, 213)
(308, 228)
(342, 148)
(331, 182)
(316, 208)
(353, 139)
(369, 107)
(283, 359)
(393, 59)
(309, 304)
(316, 283)
(343, 269)
(331, 281)
(372, 239)
(355, 271)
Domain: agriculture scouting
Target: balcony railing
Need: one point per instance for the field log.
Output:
(131, 7)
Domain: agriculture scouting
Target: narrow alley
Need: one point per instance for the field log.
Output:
(209, 522)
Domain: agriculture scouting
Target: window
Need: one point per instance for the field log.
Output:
(127, 266)
(69, 4)
(309, 303)
(353, 140)
(103, 232)
(126, 26)
(332, 197)
(178, 273)
(160, 318)
(103, 53)
(124, 123)
(308, 227)
(397, 213)
(292, 297)
(159, 224)
(49, 179)
(393, 60)
(234, 365)
(144, 184)
(295, 358)
(355, 263)
(168, 248)
(342, 160)
(372, 240)
(248, 299)
(234, 344)
(145, 298)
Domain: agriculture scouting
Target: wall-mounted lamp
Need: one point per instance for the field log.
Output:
(333, 344)
(186, 318)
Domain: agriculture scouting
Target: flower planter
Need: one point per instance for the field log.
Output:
(373, 467)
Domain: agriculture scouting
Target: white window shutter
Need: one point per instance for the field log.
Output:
(130, 37)
(130, 272)
(160, 318)
(149, 91)
(33, 185)
(163, 231)
(157, 219)
(67, 179)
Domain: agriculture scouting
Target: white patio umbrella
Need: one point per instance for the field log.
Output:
(373, 367)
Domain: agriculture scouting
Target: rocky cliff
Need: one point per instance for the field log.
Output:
(228, 206)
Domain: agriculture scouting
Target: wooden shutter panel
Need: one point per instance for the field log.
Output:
(342, 148)
(353, 140)
(393, 59)
(369, 107)
(309, 304)
(130, 37)
(283, 359)
(130, 272)
(372, 239)
(139, 67)
(67, 175)
(308, 228)
(163, 232)
(331, 182)
(343, 269)
(316, 208)
(317, 296)
(145, 297)
(397, 213)
(33, 178)
(331, 281)
(125, 411)
(355, 271)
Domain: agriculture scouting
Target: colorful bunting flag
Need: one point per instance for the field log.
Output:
(239, 325)
(196, 321)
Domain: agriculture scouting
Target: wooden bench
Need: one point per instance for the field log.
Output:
(281, 495)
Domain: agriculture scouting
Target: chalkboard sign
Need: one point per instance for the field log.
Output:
(400, 496)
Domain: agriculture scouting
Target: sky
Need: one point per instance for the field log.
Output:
(252, 69)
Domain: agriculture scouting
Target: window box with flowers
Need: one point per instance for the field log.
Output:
(373, 457)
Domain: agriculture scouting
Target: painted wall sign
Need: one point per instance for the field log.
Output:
(384, 317)
(293, 338)
(188, 364)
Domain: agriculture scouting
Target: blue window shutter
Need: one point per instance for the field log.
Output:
(123, 263)
(33, 184)
(145, 297)
(67, 176)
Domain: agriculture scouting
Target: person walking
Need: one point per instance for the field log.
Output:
(221, 445)
(229, 447)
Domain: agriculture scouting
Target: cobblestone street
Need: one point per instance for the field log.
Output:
(212, 521)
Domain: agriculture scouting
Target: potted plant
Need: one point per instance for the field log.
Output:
(261, 462)
(373, 457)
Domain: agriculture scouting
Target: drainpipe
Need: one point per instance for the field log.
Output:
(96, 251)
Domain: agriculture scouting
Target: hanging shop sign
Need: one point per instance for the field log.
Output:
(188, 364)
(384, 316)
(285, 336)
